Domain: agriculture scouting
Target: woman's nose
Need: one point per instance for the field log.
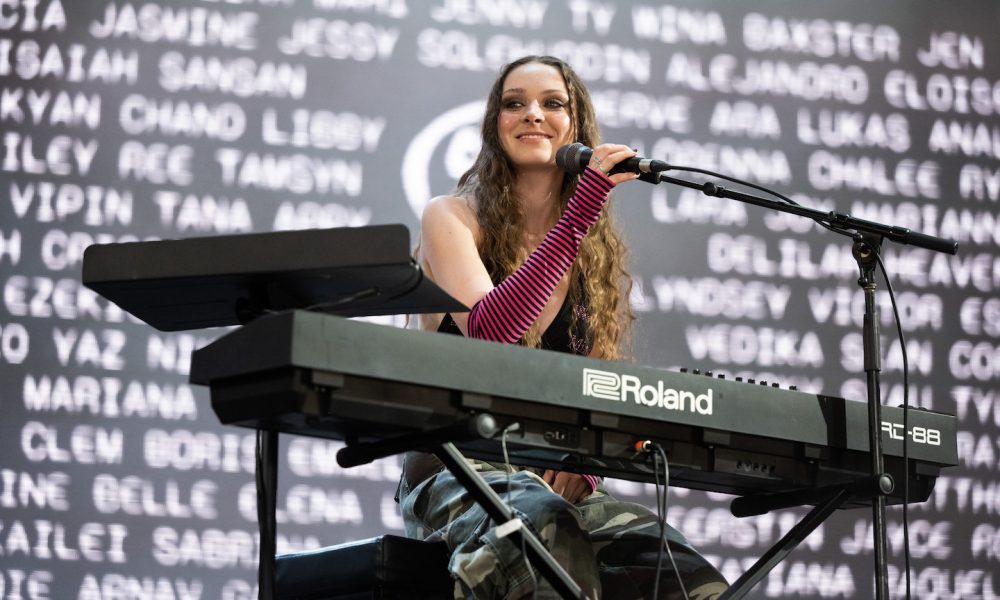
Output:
(533, 112)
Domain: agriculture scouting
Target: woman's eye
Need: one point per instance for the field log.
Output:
(519, 104)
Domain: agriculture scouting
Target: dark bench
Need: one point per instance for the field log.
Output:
(383, 568)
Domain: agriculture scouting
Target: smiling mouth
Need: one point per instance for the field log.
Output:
(533, 136)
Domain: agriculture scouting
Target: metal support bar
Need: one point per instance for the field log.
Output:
(776, 553)
(537, 554)
(267, 496)
(758, 504)
(480, 426)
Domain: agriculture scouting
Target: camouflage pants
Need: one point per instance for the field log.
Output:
(603, 544)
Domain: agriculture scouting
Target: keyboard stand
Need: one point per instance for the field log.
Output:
(177, 285)
(483, 426)
(537, 554)
(267, 505)
(827, 500)
(440, 441)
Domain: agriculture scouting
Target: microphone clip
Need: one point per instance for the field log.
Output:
(653, 178)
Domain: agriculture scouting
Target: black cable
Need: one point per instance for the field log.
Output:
(663, 541)
(906, 426)
(508, 468)
(412, 282)
(418, 278)
(661, 515)
(660, 518)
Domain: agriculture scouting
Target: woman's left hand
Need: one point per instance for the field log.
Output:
(605, 157)
(571, 486)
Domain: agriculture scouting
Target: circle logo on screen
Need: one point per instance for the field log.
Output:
(446, 147)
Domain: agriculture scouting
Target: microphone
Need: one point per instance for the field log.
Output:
(574, 159)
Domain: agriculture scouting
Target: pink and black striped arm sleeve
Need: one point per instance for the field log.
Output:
(508, 310)
(592, 481)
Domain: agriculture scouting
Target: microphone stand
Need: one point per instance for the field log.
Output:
(867, 237)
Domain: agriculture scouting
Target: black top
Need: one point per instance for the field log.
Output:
(561, 335)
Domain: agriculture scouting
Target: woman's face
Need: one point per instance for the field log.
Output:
(535, 118)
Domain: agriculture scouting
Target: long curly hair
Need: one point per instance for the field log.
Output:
(599, 275)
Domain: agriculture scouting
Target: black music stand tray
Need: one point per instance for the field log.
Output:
(176, 285)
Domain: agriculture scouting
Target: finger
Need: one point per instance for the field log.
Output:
(549, 476)
(597, 162)
(559, 484)
(576, 490)
(615, 157)
(618, 178)
(573, 494)
(569, 485)
(605, 156)
(609, 148)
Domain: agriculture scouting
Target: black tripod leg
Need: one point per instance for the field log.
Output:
(780, 550)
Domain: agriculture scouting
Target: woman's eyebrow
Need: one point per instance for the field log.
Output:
(521, 91)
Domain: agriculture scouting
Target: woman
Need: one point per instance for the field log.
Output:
(531, 251)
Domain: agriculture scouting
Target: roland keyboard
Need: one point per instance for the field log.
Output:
(326, 376)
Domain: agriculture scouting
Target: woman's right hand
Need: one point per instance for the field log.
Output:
(604, 158)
